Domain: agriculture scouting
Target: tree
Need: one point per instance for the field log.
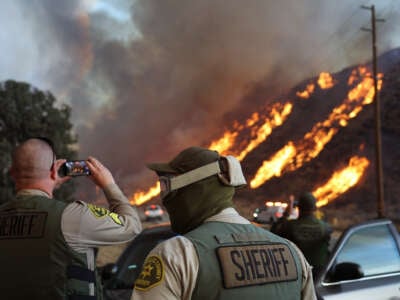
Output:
(27, 112)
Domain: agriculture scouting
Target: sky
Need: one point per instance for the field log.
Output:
(145, 79)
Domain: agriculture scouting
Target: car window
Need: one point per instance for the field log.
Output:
(373, 249)
(132, 259)
(132, 266)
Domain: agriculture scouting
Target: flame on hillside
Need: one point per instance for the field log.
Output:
(294, 154)
(141, 197)
(258, 133)
(307, 92)
(325, 81)
(341, 181)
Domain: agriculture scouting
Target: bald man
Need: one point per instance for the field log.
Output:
(47, 246)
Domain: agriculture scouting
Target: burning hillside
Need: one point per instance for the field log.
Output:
(279, 161)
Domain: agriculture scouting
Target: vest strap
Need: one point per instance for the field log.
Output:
(77, 272)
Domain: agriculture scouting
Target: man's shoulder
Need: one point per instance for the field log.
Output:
(174, 248)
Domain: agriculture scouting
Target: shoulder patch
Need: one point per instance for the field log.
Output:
(151, 275)
(100, 212)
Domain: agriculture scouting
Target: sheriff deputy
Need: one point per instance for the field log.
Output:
(218, 254)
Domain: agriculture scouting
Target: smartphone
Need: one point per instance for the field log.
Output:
(74, 168)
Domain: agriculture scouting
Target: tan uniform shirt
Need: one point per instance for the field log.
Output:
(181, 264)
(86, 226)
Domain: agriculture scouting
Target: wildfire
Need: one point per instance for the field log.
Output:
(294, 155)
(259, 133)
(307, 92)
(142, 197)
(278, 115)
(325, 81)
(341, 181)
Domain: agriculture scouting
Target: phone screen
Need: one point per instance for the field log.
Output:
(75, 168)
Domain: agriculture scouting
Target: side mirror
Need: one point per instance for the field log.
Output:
(345, 271)
(108, 271)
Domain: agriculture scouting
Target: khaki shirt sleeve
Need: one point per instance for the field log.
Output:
(86, 226)
(307, 289)
(120, 205)
(176, 263)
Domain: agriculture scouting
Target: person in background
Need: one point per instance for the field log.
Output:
(47, 247)
(218, 254)
(309, 233)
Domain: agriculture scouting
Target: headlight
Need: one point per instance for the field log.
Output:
(255, 215)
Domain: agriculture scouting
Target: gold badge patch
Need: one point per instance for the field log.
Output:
(151, 275)
(100, 212)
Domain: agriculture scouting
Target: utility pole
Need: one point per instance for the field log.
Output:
(378, 142)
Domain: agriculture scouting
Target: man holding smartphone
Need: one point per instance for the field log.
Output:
(309, 233)
(47, 247)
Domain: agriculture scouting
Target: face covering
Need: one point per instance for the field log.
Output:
(189, 206)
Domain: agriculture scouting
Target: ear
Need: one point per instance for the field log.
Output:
(53, 172)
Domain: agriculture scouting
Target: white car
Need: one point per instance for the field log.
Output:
(272, 211)
(153, 212)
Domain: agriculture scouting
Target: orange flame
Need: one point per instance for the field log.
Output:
(141, 197)
(259, 133)
(341, 181)
(293, 156)
(307, 92)
(279, 113)
(325, 81)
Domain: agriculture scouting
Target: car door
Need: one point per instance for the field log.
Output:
(365, 264)
(121, 276)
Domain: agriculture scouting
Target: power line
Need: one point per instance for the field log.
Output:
(350, 39)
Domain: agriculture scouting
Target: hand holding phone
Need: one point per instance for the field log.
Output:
(100, 175)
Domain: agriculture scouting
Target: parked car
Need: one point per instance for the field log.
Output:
(271, 212)
(364, 264)
(153, 212)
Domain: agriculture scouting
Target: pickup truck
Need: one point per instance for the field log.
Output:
(364, 263)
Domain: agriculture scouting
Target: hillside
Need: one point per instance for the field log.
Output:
(357, 138)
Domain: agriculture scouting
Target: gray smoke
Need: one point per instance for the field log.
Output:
(164, 78)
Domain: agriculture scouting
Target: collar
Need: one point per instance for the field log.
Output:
(32, 192)
(229, 215)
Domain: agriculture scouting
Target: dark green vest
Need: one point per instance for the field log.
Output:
(36, 262)
(312, 236)
(242, 261)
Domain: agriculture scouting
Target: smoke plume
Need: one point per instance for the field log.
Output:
(151, 77)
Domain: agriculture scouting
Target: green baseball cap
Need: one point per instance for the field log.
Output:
(307, 202)
(187, 160)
